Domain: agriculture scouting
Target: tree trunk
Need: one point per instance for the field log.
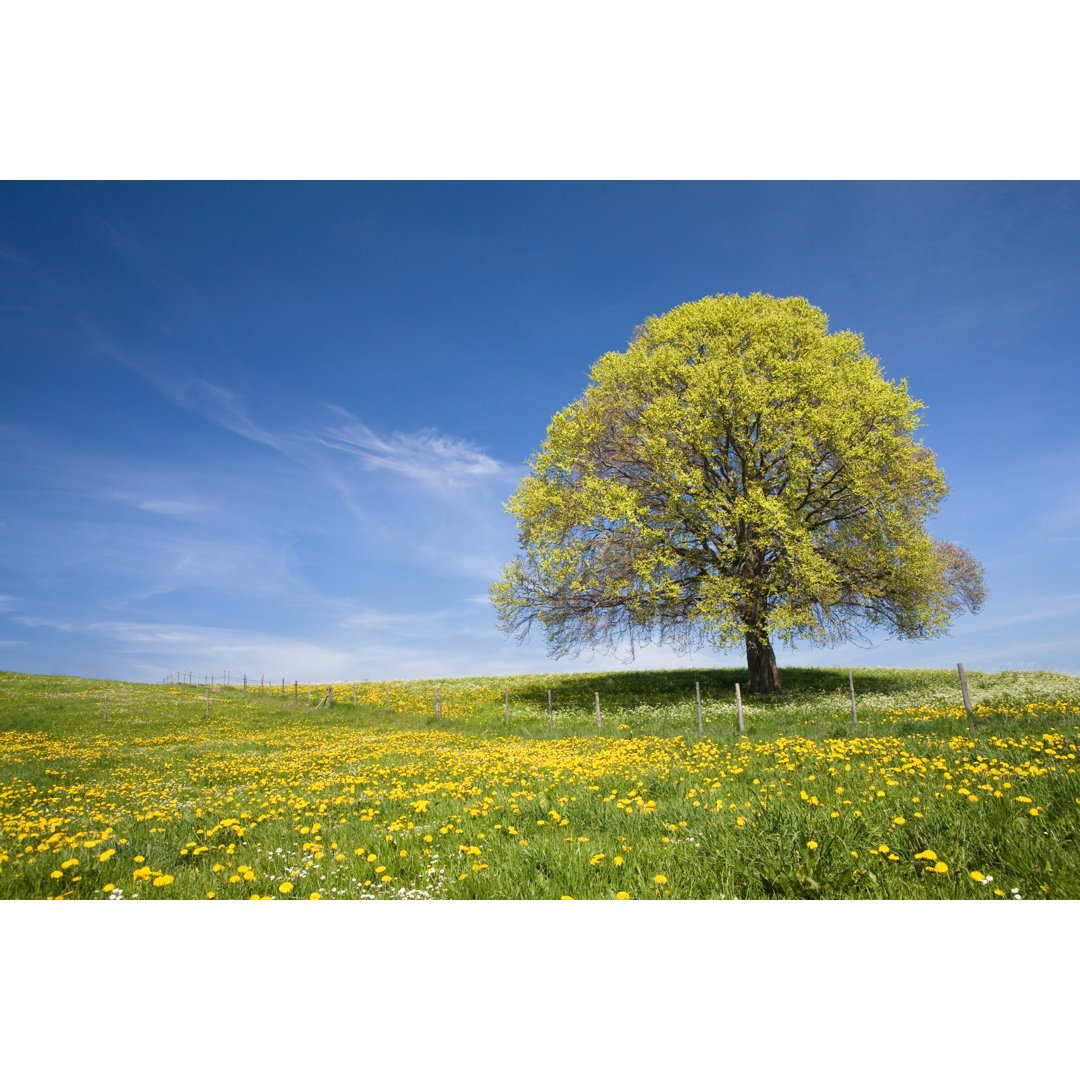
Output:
(761, 663)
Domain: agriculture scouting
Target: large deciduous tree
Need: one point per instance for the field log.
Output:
(737, 475)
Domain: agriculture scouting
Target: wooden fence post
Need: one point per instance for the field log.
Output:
(354, 693)
(738, 706)
(388, 699)
(597, 710)
(295, 689)
(438, 712)
(245, 684)
(551, 718)
(964, 690)
(697, 694)
(330, 695)
(854, 713)
(208, 702)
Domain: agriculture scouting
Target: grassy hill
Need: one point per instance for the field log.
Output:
(271, 795)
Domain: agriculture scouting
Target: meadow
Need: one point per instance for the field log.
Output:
(281, 793)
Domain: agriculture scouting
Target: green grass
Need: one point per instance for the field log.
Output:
(271, 791)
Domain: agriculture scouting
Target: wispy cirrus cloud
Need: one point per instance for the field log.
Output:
(35, 622)
(170, 507)
(424, 456)
(179, 383)
(156, 648)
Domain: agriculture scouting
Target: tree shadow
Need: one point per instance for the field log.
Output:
(677, 685)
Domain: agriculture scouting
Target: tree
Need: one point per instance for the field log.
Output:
(738, 474)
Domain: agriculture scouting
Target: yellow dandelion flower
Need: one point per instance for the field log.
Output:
(108, 888)
(211, 894)
(660, 879)
(106, 855)
(927, 854)
(622, 896)
(57, 874)
(285, 887)
(163, 879)
(977, 875)
(811, 844)
(899, 821)
(314, 896)
(618, 860)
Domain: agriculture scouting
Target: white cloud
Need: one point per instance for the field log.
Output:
(156, 648)
(402, 625)
(1041, 609)
(50, 624)
(170, 506)
(425, 455)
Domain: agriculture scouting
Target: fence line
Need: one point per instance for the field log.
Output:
(373, 692)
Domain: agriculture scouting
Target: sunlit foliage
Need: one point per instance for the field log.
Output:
(738, 474)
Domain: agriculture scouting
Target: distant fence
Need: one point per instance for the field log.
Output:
(463, 700)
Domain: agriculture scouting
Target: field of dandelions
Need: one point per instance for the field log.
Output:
(288, 792)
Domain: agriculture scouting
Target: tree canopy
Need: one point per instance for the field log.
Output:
(737, 475)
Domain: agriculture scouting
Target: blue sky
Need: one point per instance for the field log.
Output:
(269, 427)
